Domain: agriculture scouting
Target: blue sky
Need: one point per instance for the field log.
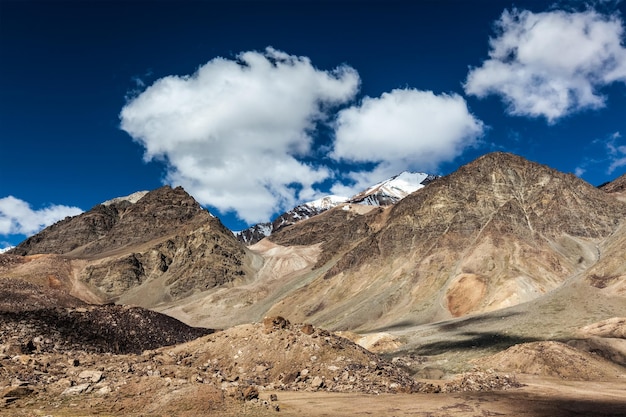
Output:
(256, 106)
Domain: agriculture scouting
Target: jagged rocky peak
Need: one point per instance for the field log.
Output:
(301, 212)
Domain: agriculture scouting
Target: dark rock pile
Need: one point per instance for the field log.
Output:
(94, 329)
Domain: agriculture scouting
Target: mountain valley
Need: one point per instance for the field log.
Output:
(504, 276)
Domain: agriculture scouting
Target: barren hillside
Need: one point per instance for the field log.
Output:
(498, 232)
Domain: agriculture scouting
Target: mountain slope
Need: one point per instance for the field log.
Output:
(499, 231)
(616, 188)
(161, 247)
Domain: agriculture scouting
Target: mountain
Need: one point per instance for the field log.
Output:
(304, 211)
(498, 232)
(617, 188)
(155, 247)
(503, 264)
(385, 193)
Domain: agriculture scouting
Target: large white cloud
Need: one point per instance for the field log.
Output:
(233, 134)
(17, 217)
(402, 130)
(551, 64)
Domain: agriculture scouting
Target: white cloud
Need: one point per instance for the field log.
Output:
(17, 217)
(551, 64)
(403, 130)
(234, 133)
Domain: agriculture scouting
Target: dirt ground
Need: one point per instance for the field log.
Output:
(541, 397)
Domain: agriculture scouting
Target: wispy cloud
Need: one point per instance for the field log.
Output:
(17, 216)
(616, 153)
(580, 171)
(551, 64)
(609, 155)
(402, 130)
(234, 133)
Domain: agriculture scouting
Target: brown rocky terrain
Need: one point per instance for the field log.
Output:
(162, 247)
(616, 188)
(503, 272)
(256, 369)
(498, 232)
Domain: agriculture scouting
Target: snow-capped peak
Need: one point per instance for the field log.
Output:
(394, 189)
(133, 198)
(8, 248)
(326, 203)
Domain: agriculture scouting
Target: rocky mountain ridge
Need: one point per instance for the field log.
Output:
(385, 193)
(497, 232)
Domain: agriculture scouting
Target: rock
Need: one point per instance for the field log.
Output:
(76, 389)
(317, 382)
(307, 329)
(104, 390)
(93, 376)
(16, 392)
(274, 323)
(250, 393)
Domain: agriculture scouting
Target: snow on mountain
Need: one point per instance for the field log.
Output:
(385, 193)
(133, 198)
(8, 248)
(253, 234)
(326, 203)
(391, 191)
